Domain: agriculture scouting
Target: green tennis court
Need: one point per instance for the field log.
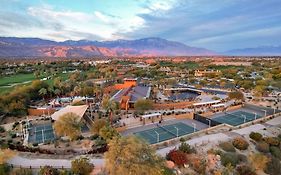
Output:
(237, 118)
(167, 132)
(41, 134)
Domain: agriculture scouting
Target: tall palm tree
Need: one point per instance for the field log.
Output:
(43, 92)
(110, 106)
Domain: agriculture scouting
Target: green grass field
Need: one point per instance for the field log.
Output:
(19, 78)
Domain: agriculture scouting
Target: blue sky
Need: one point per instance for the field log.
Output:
(218, 25)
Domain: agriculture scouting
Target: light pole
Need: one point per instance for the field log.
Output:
(194, 127)
(244, 118)
(264, 112)
(157, 136)
(177, 131)
(255, 116)
(43, 136)
(209, 122)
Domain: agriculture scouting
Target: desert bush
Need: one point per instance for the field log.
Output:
(242, 158)
(262, 147)
(4, 169)
(229, 158)
(245, 170)
(240, 143)
(2, 129)
(215, 151)
(21, 171)
(273, 167)
(256, 136)
(272, 141)
(258, 161)
(198, 164)
(46, 170)
(275, 151)
(227, 146)
(178, 157)
(186, 148)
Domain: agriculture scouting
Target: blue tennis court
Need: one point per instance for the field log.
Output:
(41, 133)
(237, 118)
(167, 132)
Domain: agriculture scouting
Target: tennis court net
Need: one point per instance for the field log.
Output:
(167, 130)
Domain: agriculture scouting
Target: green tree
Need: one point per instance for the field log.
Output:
(236, 95)
(110, 106)
(98, 125)
(130, 155)
(142, 105)
(107, 132)
(47, 170)
(68, 125)
(81, 166)
(43, 92)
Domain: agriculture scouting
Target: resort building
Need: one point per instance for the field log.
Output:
(129, 92)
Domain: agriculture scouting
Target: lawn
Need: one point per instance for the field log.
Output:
(19, 78)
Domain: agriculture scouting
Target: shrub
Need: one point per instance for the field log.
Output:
(227, 146)
(81, 166)
(21, 171)
(15, 124)
(256, 136)
(35, 144)
(272, 141)
(242, 158)
(215, 151)
(2, 129)
(258, 161)
(245, 170)
(178, 157)
(240, 143)
(4, 169)
(276, 152)
(167, 171)
(273, 167)
(229, 158)
(186, 148)
(48, 170)
(262, 147)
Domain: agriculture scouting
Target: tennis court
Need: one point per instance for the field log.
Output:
(237, 118)
(41, 133)
(163, 133)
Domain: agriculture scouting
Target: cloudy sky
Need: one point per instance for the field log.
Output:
(214, 24)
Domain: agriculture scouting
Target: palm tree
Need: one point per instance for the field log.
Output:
(110, 106)
(43, 92)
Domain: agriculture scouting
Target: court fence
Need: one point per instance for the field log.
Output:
(205, 120)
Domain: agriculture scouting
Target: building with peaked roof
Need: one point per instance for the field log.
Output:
(130, 93)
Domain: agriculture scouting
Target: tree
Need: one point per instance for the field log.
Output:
(108, 133)
(81, 166)
(98, 125)
(43, 92)
(5, 154)
(130, 155)
(47, 170)
(68, 125)
(236, 95)
(258, 161)
(142, 105)
(110, 106)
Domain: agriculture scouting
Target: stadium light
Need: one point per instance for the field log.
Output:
(177, 131)
(264, 112)
(157, 136)
(209, 122)
(245, 118)
(194, 127)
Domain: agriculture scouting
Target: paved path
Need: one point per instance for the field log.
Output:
(56, 163)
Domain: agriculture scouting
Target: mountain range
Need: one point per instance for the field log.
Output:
(36, 47)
